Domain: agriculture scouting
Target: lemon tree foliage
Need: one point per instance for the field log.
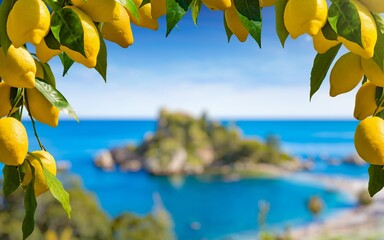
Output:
(32, 32)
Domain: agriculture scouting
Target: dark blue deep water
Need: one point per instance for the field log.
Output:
(220, 207)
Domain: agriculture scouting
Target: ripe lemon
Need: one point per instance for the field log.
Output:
(91, 41)
(145, 17)
(44, 53)
(321, 44)
(346, 74)
(119, 31)
(98, 10)
(217, 4)
(234, 24)
(365, 102)
(18, 68)
(158, 8)
(373, 72)
(369, 140)
(39, 107)
(28, 21)
(267, 3)
(374, 5)
(13, 141)
(368, 33)
(48, 162)
(5, 102)
(305, 16)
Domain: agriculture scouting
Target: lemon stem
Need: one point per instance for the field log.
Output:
(33, 123)
(381, 103)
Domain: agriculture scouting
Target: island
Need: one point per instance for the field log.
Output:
(183, 144)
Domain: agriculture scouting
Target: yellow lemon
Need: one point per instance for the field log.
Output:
(119, 31)
(91, 41)
(17, 68)
(369, 140)
(346, 74)
(28, 21)
(305, 16)
(99, 10)
(5, 102)
(158, 8)
(145, 16)
(365, 102)
(44, 53)
(373, 72)
(217, 4)
(234, 24)
(267, 3)
(48, 162)
(13, 141)
(321, 44)
(374, 5)
(368, 33)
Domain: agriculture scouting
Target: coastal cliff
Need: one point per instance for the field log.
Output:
(182, 144)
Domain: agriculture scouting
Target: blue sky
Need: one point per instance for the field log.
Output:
(196, 69)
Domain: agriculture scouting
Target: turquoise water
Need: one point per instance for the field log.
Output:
(220, 207)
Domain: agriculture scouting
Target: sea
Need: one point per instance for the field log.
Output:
(209, 208)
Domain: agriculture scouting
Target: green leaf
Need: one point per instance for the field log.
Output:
(5, 8)
(51, 41)
(250, 16)
(328, 32)
(227, 30)
(379, 95)
(101, 65)
(176, 9)
(320, 68)
(67, 29)
(48, 75)
(378, 57)
(196, 7)
(11, 180)
(281, 30)
(57, 190)
(66, 62)
(131, 7)
(55, 5)
(30, 206)
(344, 19)
(376, 179)
(55, 98)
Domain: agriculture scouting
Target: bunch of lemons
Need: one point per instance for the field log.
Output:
(311, 17)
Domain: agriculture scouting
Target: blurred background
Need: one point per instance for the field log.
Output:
(193, 137)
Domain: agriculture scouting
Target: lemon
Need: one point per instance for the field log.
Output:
(18, 68)
(5, 102)
(267, 3)
(321, 44)
(346, 74)
(374, 5)
(369, 140)
(368, 33)
(305, 16)
(217, 4)
(365, 102)
(119, 31)
(373, 72)
(13, 141)
(39, 107)
(48, 162)
(158, 8)
(145, 16)
(98, 10)
(28, 21)
(91, 41)
(234, 24)
(44, 53)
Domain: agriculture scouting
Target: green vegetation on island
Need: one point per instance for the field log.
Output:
(183, 144)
